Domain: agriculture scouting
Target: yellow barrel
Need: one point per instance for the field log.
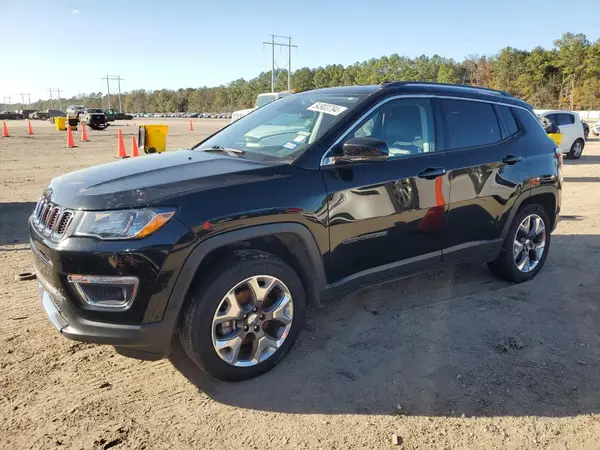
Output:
(153, 138)
(60, 123)
(556, 137)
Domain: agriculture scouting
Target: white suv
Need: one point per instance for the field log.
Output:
(261, 100)
(570, 126)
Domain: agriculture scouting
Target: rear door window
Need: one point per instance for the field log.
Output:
(469, 124)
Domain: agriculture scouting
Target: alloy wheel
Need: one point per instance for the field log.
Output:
(252, 321)
(529, 243)
(577, 149)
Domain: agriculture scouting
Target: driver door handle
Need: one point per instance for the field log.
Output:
(432, 173)
(511, 159)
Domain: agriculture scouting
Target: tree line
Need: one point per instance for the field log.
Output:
(566, 76)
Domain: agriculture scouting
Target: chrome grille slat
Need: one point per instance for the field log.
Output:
(63, 223)
(51, 219)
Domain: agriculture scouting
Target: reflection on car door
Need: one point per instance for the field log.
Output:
(486, 169)
(384, 218)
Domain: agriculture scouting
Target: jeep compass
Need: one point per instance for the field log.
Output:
(224, 245)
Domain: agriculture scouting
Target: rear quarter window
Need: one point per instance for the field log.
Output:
(469, 124)
(509, 120)
(530, 124)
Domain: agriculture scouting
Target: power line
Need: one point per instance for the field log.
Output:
(108, 78)
(289, 64)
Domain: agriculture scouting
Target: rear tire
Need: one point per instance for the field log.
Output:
(576, 149)
(198, 329)
(505, 265)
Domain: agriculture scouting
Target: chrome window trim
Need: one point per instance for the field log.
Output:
(328, 161)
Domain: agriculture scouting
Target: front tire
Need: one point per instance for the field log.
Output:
(245, 317)
(526, 246)
(576, 149)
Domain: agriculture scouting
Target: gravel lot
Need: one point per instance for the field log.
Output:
(449, 359)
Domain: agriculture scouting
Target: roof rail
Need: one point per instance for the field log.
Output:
(456, 86)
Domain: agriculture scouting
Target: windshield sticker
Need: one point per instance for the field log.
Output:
(327, 108)
(300, 138)
(304, 133)
(290, 145)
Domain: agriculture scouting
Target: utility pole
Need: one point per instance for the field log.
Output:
(118, 79)
(57, 90)
(107, 78)
(119, 84)
(289, 64)
(272, 63)
(23, 99)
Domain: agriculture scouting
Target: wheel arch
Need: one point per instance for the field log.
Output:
(546, 196)
(292, 242)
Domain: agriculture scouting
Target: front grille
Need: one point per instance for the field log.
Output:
(51, 219)
(64, 222)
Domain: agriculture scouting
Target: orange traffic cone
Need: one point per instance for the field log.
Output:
(191, 126)
(121, 146)
(134, 147)
(29, 129)
(5, 130)
(70, 140)
(84, 136)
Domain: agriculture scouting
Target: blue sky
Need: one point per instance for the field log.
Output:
(184, 43)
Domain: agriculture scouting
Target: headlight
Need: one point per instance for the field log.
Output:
(125, 224)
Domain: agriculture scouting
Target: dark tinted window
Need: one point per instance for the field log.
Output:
(509, 120)
(529, 124)
(469, 123)
(561, 118)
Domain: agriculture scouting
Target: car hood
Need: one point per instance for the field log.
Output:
(137, 182)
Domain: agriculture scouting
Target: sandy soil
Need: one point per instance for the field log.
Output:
(449, 359)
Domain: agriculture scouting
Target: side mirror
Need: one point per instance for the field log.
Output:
(364, 149)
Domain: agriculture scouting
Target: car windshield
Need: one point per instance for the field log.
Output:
(94, 110)
(263, 100)
(286, 127)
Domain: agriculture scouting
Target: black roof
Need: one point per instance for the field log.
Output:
(422, 87)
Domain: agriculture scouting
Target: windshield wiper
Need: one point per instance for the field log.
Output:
(227, 151)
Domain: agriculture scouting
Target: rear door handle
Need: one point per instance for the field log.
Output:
(511, 159)
(432, 173)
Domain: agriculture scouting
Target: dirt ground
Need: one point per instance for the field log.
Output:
(449, 359)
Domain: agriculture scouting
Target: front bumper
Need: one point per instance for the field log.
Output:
(146, 341)
(145, 329)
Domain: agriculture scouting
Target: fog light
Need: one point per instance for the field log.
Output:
(105, 292)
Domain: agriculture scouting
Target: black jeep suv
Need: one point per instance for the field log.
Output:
(226, 244)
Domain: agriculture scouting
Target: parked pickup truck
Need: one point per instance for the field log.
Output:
(94, 118)
(112, 115)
